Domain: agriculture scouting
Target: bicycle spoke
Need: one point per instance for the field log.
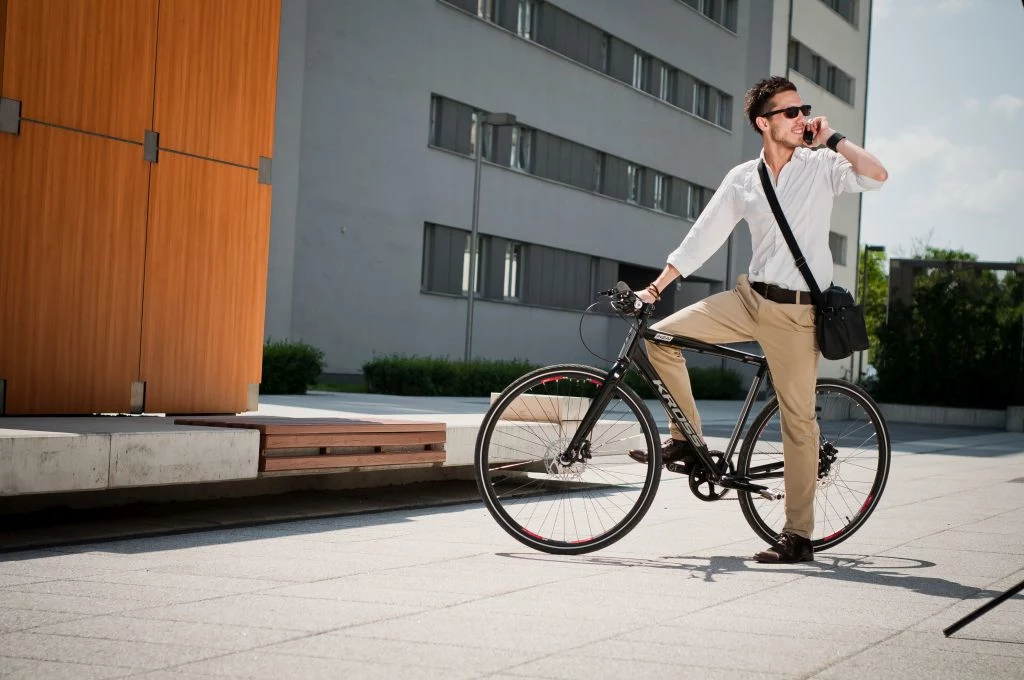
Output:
(851, 479)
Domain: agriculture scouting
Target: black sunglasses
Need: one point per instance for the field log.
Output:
(790, 111)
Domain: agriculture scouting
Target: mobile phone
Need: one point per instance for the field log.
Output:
(808, 135)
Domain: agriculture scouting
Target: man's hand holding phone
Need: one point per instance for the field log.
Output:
(817, 131)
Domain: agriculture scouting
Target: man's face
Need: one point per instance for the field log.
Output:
(786, 131)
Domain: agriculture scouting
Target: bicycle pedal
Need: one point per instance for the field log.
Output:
(678, 468)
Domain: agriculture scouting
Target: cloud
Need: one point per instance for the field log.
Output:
(925, 8)
(972, 105)
(923, 146)
(951, 7)
(990, 194)
(941, 176)
(1006, 104)
(882, 8)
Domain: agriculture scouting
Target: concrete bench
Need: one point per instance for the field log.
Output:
(289, 445)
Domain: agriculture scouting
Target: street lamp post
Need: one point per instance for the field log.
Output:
(864, 294)
(497, 120)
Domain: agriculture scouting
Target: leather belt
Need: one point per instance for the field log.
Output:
(781, 295)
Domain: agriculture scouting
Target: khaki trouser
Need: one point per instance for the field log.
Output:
(786, 334)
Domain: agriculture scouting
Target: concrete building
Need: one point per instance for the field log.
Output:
(628, 115)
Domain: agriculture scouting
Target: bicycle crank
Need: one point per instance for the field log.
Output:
(700, 480)
(744, 484)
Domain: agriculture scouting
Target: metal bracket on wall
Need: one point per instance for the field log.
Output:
(10, 116)
(3, 396)
(265, 167)
(151, 146)
(138, 399)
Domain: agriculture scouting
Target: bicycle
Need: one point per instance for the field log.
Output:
(551, 454)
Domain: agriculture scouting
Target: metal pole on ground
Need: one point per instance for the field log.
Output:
(497, 120)
(983, 609)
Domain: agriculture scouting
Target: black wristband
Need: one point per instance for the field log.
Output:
(834, 140)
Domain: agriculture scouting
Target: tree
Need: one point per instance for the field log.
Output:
(876, 294)
(959, 343)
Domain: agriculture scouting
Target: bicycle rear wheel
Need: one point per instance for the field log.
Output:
(853, 465)
(557, 503)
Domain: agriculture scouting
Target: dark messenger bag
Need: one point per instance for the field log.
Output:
(839, 322)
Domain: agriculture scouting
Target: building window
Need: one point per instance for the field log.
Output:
(661, 192)
(606, 51)
(465, 265)
(634, 182)
(701, 95)
(641, 70)
(451, 125)
(729, 15)
(847, 9)
(720, 11)
(435, 120)
(837, 244)
(521, 153)
(485, 9)
(472, 131)
(696, 200)
(821, 71)
(444, 259)
(723, 116)
(794, 55)
(665, 84)
(526, 19)
(513, 271)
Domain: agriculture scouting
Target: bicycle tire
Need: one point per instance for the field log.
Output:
(837, 522)
(540, 500)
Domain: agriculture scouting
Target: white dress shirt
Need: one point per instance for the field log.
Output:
(806, 188)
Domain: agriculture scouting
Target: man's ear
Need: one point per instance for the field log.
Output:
(762, 124)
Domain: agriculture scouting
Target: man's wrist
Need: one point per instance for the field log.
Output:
(833, 141)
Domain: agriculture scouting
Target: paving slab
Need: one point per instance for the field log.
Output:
(441, 591)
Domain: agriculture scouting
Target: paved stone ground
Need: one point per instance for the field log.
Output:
(444, 593)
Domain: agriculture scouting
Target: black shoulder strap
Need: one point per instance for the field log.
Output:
(801, 263)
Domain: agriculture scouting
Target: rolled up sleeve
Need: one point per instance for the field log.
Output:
(710, 230)
(846, 181)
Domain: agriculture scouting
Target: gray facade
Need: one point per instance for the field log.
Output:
(360, 173)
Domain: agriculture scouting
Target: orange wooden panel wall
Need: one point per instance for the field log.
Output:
(217, 78)
(3, 29)
(73, 210)
(84, 64)
(77, 324)
(206, 272)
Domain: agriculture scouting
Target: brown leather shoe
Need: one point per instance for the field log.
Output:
(672, 451)
(788, 549)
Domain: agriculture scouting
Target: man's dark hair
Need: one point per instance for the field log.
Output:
(759, 95)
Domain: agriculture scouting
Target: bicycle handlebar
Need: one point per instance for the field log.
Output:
(626, 301)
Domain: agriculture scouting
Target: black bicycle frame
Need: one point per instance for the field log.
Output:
(633, 355)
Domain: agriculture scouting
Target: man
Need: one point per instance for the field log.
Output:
(771, 304)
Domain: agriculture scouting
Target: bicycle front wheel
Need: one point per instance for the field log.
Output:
(853, 465)
(547, 497)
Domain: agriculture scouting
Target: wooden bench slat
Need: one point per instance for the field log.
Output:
(281, 463)
(423, 442)
(303, 441)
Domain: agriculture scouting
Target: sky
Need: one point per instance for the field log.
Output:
(945, 115)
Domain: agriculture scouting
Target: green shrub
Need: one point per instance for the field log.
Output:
(289, 366)
(428, 376)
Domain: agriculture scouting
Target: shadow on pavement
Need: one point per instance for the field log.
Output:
(866, 569)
